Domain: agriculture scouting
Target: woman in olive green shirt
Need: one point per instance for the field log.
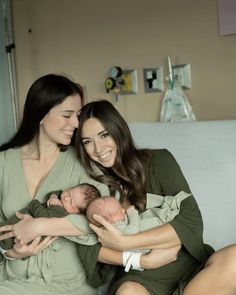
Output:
(104, 140)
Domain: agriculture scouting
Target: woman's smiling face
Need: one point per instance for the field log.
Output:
(98, 143)
(61, 121)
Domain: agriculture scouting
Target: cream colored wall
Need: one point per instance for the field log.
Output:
(84, 38)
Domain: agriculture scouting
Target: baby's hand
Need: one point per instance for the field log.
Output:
(53, 200)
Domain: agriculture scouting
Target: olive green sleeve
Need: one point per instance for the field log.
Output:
(169, 179)
(97, 273)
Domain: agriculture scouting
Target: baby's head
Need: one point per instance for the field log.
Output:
(76, 199)
(107, 207)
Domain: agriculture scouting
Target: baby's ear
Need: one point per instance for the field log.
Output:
(66, 198)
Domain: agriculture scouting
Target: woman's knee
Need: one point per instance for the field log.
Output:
(128, 288)
(225, 261)
(226, 255)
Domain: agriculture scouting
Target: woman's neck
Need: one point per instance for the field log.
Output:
(35, 150)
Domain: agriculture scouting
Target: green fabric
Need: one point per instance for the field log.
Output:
(164, 177)
(188, 224)
(57, 269)
(159, 210)
(97, 273)
(35, 209)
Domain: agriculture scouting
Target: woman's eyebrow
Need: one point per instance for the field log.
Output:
(67, 111)
(99, 133)
(104, 130)
(84, 137)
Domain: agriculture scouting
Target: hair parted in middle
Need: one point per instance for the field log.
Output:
(127, 175)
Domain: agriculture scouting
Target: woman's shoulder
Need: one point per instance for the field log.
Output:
(8, 154)
(160, 154)
(161, 158)
(8, 161)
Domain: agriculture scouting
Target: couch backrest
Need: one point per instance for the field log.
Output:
(206, 152)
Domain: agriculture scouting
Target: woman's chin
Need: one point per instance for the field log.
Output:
(65, 141)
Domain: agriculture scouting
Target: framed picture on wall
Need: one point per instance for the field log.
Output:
(227, 17)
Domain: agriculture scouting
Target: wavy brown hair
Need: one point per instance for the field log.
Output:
(128, 173)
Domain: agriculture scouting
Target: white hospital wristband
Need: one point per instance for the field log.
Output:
(126, 256)
(136, 261)
(3, 251)
(131, 260)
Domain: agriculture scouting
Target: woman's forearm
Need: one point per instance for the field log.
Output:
(110, 256)
(160, 237)
(56, 227)
(30, 228)
(159, 257)
(22, 251)
(163, 236)
(154, 259)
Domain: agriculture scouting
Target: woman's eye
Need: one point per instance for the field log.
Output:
(105, 134)
(67, 114)
(84, 142)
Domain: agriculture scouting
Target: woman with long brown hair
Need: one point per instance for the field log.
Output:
(37, 160)
(107, 151)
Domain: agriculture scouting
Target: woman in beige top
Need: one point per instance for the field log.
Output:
(37, 160)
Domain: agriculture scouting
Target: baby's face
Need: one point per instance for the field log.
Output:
(74, 199)
(117, 213)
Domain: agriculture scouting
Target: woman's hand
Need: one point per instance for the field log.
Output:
(35, 247)
(159, 257)
(24, 231)
(108, 235)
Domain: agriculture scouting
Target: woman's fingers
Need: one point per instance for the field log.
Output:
(20, 215)
(39, 244)
(6, 228)
(103, 222)
(95, 228)
(26, 229)
(46, 242)
(100, 231)
(7, 235)
(35, 247)
(108, 235)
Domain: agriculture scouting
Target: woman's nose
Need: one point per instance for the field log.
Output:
(97, 146)
(74, 121)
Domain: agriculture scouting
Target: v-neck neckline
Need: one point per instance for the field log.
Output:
(44, 181)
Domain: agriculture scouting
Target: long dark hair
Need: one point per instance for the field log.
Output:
(128, 173)
(44, 94)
